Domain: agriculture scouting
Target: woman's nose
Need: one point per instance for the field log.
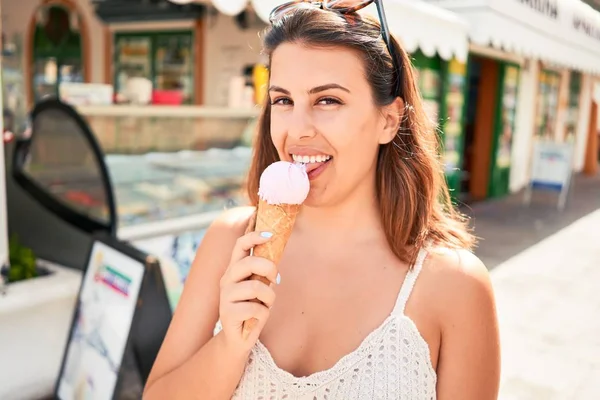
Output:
(301, 125)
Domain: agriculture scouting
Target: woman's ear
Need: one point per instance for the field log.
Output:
(392, 114)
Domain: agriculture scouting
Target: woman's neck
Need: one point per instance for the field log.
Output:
(357, 212)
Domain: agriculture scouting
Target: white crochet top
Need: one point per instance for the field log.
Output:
(392, 363)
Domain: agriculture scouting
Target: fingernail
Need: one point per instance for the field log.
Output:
(278, 279)
(266, 235)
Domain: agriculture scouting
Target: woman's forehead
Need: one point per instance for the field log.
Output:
(296, 63)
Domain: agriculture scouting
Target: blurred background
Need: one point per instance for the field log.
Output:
(127, 127)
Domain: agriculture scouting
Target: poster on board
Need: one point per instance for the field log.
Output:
(100, 331)
(176, 253)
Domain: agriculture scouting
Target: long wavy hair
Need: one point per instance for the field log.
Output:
(413, 198)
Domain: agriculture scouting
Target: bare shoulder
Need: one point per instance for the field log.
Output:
(464, 306)
(215, 249)
(461, 280)
(231, 223)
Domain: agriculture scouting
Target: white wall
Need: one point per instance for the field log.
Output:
(227, 50)
(524, 126)
(16, 15)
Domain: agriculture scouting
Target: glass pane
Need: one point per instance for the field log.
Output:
(508, 116)
(45, 78)
(173, 64)
(61, 162)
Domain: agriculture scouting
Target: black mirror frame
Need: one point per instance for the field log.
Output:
(74, 217)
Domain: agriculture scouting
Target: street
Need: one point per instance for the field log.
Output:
(547, 294)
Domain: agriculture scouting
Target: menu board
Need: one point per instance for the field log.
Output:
(103, 320)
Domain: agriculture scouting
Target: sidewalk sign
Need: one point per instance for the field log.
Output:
(551, 170)
(107, 319)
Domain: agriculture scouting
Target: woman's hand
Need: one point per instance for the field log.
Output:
(237, 292)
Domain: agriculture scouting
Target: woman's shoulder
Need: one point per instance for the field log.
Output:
(461, 282)
(231, 224)
(214, 251)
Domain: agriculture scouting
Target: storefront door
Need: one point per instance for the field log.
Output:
(489, 125)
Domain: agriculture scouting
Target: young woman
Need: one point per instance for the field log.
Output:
(378, 296)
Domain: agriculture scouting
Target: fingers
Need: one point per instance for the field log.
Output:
(248, 310)
(250, 290)
(245, 243)
(248, 266)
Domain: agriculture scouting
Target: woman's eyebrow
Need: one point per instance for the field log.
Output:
(314, 90)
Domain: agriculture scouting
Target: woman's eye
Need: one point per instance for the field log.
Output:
(281, 101)
(327, 101)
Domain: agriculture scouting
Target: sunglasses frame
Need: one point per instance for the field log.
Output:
(385, 32)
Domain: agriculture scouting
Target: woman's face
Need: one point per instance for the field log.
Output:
(323, 114)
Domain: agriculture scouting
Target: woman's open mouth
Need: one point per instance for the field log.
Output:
(315, 165)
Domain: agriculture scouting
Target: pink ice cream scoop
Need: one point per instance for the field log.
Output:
(284, 183)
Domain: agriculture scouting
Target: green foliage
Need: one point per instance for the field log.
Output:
(22, 261)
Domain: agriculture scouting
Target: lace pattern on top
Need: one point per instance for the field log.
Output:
(393, 362)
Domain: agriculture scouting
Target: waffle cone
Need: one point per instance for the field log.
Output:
(278, 219)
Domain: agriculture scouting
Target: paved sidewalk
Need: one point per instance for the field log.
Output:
(549, 310)
(506, 226)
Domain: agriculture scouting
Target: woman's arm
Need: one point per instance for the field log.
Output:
(469, 362)
(192, 364)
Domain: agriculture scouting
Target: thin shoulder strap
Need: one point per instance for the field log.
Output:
(409, 281)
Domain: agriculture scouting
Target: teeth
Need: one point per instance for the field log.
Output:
(310, 159)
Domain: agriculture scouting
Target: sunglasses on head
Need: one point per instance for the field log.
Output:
(347, 7)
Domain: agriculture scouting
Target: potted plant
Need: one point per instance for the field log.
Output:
(22, 262)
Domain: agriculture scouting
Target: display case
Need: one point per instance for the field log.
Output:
(173, 171)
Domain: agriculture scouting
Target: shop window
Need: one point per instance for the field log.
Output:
(573, 105)
(164, 58)
(57, 53)
(547, 104)
(429, 80)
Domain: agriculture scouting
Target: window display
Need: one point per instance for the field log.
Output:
(453, 127)
(165, 58)
(429, 78)
(547, 103)
(508, 111)
(573, 105)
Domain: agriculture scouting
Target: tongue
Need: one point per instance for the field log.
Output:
(315, 165)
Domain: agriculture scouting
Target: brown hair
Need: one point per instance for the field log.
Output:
(413, 197)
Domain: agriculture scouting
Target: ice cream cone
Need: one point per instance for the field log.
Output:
(279, 220)
(282, 189)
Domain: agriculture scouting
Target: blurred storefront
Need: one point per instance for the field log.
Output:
(125, 64)
(530, 72)
(439, 54)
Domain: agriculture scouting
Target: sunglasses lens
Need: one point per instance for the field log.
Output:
(345, 4)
